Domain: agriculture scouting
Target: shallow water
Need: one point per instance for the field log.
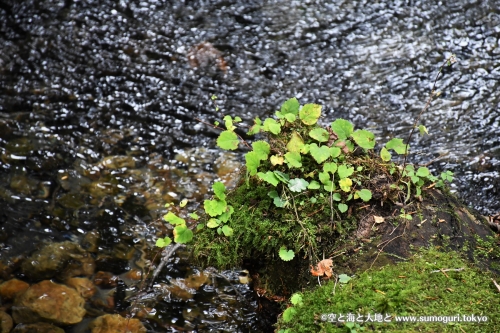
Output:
(85, 82)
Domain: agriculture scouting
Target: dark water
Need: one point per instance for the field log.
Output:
(82, 82)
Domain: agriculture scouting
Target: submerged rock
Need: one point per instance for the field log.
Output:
(64, 259)
(116, 323)
(10, 289)
(49, 301)
(83, 286)
(5, 322)
(37, 328)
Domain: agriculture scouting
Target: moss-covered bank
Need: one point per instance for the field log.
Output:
(432, 283)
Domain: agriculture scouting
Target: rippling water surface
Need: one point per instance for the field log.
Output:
(99, 101)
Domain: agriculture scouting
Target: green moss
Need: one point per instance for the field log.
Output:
(405, 289)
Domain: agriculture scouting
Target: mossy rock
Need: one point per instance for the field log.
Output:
(323, 192)
(436, 291)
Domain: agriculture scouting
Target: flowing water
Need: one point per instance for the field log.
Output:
(102, 105)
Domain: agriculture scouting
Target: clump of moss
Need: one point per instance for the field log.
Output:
(405, 289)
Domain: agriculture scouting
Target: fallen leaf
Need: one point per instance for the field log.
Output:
(324, 267)
(378, 219)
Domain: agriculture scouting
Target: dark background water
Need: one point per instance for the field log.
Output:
(81, 81)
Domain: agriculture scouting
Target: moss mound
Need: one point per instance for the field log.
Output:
(409, 289)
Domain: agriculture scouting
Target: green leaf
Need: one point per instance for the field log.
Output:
(423, 130)
(194, 216)
(224, 217)
(320, 154)
(344, 171)
(229, 123)
(256, 127)
(397, 145)
(335, 151)
(213, 223)
(324, 177)
(262, 149)
(278, 202)
(182, 234)
(344, 278)
(345, 184)
(214, 207)
(364, 139)
(216, 123)
(364, 194)
(310, 113)
(237, 119)
(290, 117)
(295, 144)
(174, 219)
(291, 106)
(183, 203)
(330, 167)
(385, 154)
(285, 254)
(228, 140)
(227, 230)
(163, 242)
(219, 190)
(329, 186)
(448, 176)
(288, 314)
(423, 172)
(296, 299)
(342, 207)
(293, 159)
(269, 177)
(271, 125)
(252, 162)
(336, 197)
(342, 128)
(297, 184)
(313, 185)
(319, 134)
(283, 177)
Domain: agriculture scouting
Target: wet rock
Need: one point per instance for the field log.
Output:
(118, 162)
(105, 280)
(90, 241)
(83, 286)
(37, 328)
(49, 301)
(116, 323)
(5, 322)
(64, 259)
(10, 289)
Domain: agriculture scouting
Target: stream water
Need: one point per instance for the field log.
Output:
(101, 104)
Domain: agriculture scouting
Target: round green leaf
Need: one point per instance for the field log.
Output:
(310, 113)
(269, 177)
(219, 190)
(295, 144)
(285, 254)
(213, 223)
(290, 106)
(271, 125)
(252, 162)
(288, 314)
(364, 194)
(313, 185)
(385, 154)
(342, 128)
(423, 172)
(262, 149)
(345, 184)
(397, 145)
(342, 207)
(163, 242)
(293, 159)
(174, 219)
(320, 154)
(319, 134)
(364, 139)
(296, 299)
(182, 234)
(227, 230)
(214, 207)
(228, 140)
